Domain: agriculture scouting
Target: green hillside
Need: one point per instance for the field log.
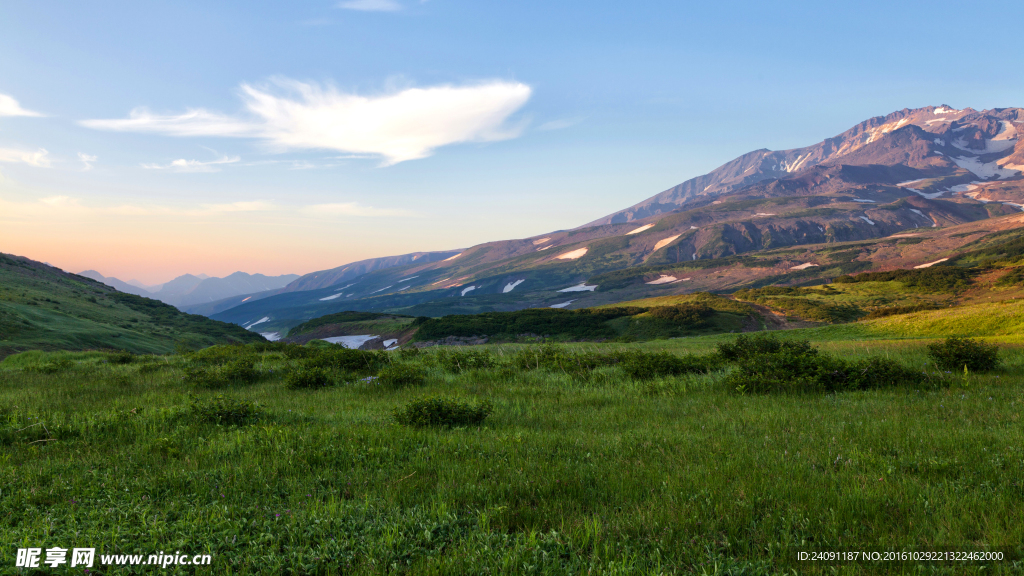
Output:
(44, 308)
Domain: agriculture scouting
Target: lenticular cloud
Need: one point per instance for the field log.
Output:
(399, 126)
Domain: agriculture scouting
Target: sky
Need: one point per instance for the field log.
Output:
(151, 139)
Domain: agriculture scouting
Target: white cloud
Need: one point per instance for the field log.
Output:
(39, 158)
(403, 125)
(87, 160)
(353, 209)
(191, 123)
(183, 165)
(10, 107)
(371, 5)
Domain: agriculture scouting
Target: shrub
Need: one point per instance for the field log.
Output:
(239, 371)
(221, 410)
(120, 357)
(53, 366)
(959, 353)
(745, 346)
(694, 315)
(647, 365)
(789, 370)
(577, 365)
(462, 360)
(443, 412)
(341, 358)
(309, 378)
(400, 375)
(894, 310)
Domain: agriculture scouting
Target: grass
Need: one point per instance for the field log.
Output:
(43, 308)
(567, 475)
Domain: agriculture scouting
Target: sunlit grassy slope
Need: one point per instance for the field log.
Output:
(44, 308)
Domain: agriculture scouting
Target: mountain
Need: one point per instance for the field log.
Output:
(335, 276)
(895, 182)
(125, 287)
(45, 308)
(925, 141)
(188, 290)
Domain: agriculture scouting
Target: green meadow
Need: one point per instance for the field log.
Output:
(594, 458)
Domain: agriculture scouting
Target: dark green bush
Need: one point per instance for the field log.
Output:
(894, 310)
(959, 353)
(647, 365)
(341, 358)
(309, 378)
(221, 410)
(791, 370)
(461, 360)
(401, 375)
(238, 371)
(442, 412)
(53, 366)
(692, 315)
(746, 345)
(942, 278)
(120, 357)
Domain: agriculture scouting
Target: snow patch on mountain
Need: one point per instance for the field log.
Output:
(804, 266)
(581, 287)
(331, 297)
(573, 255)
(663, 279)
(541, 241)
(662, 243)
(467, 290)
(984, 169)
(930, 264)
(868, 220)
(260, 321)
(561, 305)
(452, 258)
(511, 286)
(640, 229)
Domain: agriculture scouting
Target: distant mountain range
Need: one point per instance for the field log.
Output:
(189, 290)
(915, 170)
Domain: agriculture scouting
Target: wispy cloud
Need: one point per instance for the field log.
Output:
(371, 5)
(39, 158)
(252, 206)
(10, 107)
(353, 209)
(561, 123)
(399, 126)
(87, 160)
(183, 165)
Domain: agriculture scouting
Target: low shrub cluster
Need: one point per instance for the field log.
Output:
(442, 412)
(241, 370)
(964, 353)
(309, 378)
(120, 357)
(402, 375)
(692, 315)
(942, 278)
(895, 310)
(747, 345)
(346, 359)
(648, 365)
(224, 410)
(772, 365)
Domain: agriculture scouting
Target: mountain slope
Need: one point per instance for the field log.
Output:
(44, 308)
(953, 134)
(914, 173)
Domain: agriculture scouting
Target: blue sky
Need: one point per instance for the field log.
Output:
(289, 137)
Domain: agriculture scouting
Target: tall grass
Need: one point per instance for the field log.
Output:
(567, 475)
